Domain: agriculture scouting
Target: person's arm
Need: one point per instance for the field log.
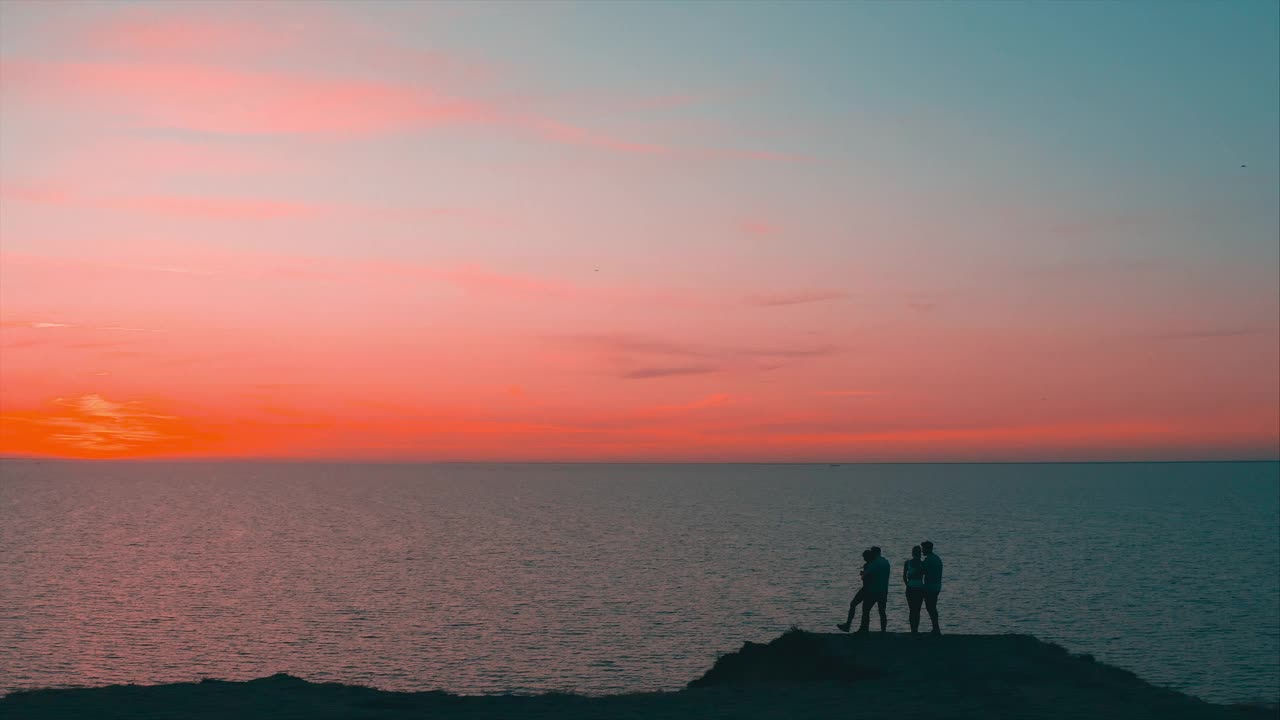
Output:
(905, 565)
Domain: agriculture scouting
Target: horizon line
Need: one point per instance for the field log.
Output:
(391, 461)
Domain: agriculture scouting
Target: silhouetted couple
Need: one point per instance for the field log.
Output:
(923, 578)
(874, 591)
(921, 575)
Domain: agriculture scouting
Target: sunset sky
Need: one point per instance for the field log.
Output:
(608, 231)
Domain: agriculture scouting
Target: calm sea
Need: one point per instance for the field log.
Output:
(607, 578)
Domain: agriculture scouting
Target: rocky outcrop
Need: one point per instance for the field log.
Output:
(798, 675)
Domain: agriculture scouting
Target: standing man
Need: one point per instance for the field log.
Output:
(932, 583)
(878, 572)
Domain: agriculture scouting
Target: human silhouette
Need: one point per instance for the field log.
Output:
(867, 557)
(932, 583)
(913, 578)
(878, 572)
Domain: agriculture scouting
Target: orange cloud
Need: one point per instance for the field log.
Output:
(91, 426)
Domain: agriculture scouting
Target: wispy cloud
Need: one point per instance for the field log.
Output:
(642, 373)
(217, 99)
(709, 401)
(205, 207)
(849, 393)
(469, 277)
(187, 70)
(924, 301)
(1096, 268)
(157, 32)
(793, 298)
(1208, 333)
(35, 325)
(641, 358)
(1101, 225)
(231, 208)
(225, 34)
(45, 325)
(760, 228)
(167, 269)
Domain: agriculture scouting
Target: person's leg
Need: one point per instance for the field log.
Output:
(931, 604)
(853, 608)
(882, 601)
(866, 612)
(915, 596)
(858, 597)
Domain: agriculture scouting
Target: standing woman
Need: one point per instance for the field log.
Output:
(913, 576)
(867, 557)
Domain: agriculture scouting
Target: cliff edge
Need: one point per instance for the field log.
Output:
(798, 675)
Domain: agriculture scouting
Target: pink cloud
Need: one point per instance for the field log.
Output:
(208, 207)
(215, 99)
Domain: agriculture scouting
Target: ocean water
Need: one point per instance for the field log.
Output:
(607, 578)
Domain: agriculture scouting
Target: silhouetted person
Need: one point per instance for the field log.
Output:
(878, 572)
(932, 583)
(913, 578)
(867, 557)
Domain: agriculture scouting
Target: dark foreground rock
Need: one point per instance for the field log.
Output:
(798, 675)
